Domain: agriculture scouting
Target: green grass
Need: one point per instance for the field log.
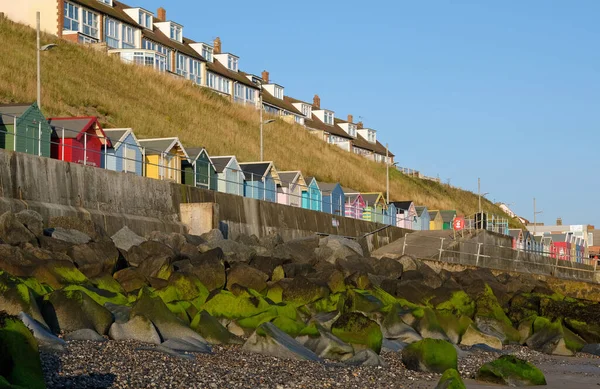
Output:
(77, 80)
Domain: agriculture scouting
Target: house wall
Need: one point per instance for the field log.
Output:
(24, 11)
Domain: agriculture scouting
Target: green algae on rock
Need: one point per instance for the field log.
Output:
(358, 330)
(512, 371)
(450, 380)
(430, 355)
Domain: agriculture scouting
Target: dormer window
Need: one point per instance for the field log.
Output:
(279, 92)
(176, 32)
(145, 19)
(232, 63)
(107, 2)
(371, 136)
(328, 118)
(207, 53)
(352, 130)
(306, 110)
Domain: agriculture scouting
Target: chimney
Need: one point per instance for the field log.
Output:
(161, 14)
(265, 76)
(350, 119)
(217, 46)
(317, 102)
(359, 125)
(559, 221)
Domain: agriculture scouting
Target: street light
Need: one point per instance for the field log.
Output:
(535, 213)
(387, 173)
(480, 194)
(39, 72)
(261, 133)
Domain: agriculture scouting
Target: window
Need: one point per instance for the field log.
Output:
(306, 110)
(207, 53)
(86, 39)
(219, 83)
(145, 19)
(107, 2)
(176, 32)
(299, 119)
(128, 37)
(328, 117)
(232, 63)
(250, 94)
(90, 23)
(279, 92)
(71, 17)
(112, 33)
(352, 129)
(195, 71)
(371, 136)
(182, 66)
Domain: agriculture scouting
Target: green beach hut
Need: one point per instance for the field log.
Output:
(24, 128)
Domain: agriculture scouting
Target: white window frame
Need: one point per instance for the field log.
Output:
(107, 2)
(232, 63)
(207, 53)
(328, 118)
(145, 19)
(74, 19)
(306, 110)
(176, 32)
(278, 92)
(89, 23)
(112, 34)
(195, 71)
(181, 65)
(127, 37)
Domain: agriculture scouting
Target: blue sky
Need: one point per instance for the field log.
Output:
(508, 91)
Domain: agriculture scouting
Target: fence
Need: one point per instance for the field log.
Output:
(496, 256)
(92, 149)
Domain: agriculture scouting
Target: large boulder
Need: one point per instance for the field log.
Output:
(270, 340)
(58, 274)
(212, 236)
(149, 250)
(88, 227)
(47, 341)
(67, 236)
(32, 220)
(267, 264)
(593, 349)
(301, 250)
(387, 267)
(95, 258)
(450, 380)
(246, 276)
(13, 232)
(393, 327)
(212, 330)
(335, 243)
(16, 297)
(137, 328)
(329, 346)
(552, 338)
(72, 310)
(491, 318)
(301, 291)
(125, 239)
(511, 371)
(430, 355)
(85, 335)
(473, 336)
(20, 363)
(14, 262)
(183, 286)
(232, 250)
(209, 268)
(130, 279)
(366, 357)
(428, 324)
(270, 241)
(358, 330)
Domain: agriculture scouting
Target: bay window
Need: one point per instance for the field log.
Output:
(90, 23)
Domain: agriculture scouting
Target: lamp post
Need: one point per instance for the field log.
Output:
(262, 122)
(39, 49)
(535, 213)
(387, 173)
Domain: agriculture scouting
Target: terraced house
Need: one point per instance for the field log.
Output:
(138, 36)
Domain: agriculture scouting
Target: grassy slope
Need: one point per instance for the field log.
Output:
(80, 81)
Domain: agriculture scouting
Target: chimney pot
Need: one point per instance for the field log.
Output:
(217, 46)
(559, 221)
(350, 119)
(161, 14)
(265, 76)
(317, 102)
(359, 125)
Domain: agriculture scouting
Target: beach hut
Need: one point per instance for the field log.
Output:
(333, 197)
(407, 214)
(260, 180)
(291, 187)
(125, 153)
(163, 158)
(436, 223)
(422, 223)
(230, 178)
(375, 207)
(79, 140)
(354, 203)
(312, 198)
(199, 170)
(391, 215)
(24, 128)
(448, 217)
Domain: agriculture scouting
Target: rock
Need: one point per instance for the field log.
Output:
(137, 328)
(270, 340)
(184, 287)
(366, 357)
(46, 340)
(85, 334)
(95, 258)
(125, 239)
(593, 349)
(68, 236)
(301, 291)
(300, 250)
(173, 240)
(20, 363)
(362, 301)
(16, 297)
(430, 355)
(121, 313)
(151, 257)
(414, 292)
(453, 325)
(329, 346)
(491, 319)
(428, 325)
(473, 336)
(388, 267)
(270, 241)
(212, 330)
(267, 264)
(32, 220)
(511, 371)
(233, 251)
(358, 330)
(13, 262)
(190, 345)
(246, 276)
(13, 232)
(74, 310)
(228, 306)
(393, 345)
(130, 279)
(213, 236)
(450, 380)
(167, 324)
(552, 338)
(293, 270)
(335, 243)
(194, 240)
(409, 263)
(55, 246)
(88, 227)
(248, 240)
(393, 327)
(58, 274)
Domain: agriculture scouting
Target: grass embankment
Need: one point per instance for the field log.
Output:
(80, 81)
